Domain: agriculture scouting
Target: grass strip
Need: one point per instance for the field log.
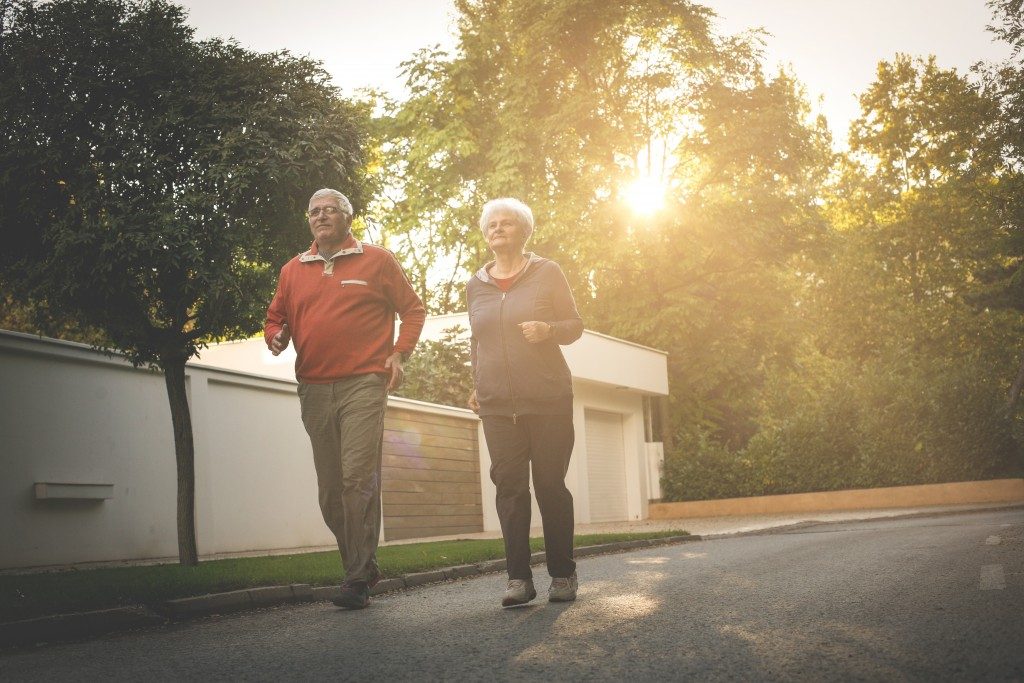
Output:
(23, 596)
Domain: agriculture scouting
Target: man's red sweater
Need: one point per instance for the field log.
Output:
(342, 315)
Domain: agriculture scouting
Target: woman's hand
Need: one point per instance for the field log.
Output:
(473, 404)
(535, 331)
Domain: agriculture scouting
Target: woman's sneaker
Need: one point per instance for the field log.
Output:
(519, 592)
(563, 589)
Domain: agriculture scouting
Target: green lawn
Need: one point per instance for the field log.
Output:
(23, 596)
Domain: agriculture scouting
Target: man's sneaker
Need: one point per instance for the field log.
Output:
(519, 592)
(354, 595)
(563, 589)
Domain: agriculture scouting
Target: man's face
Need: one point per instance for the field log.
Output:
(328, 222)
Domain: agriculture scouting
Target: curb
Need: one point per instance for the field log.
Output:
(233, 601)
(62, 627)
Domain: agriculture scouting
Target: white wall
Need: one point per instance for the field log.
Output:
(69, 431)
(69, 414)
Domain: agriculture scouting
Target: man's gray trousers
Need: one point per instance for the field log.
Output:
(345, 423)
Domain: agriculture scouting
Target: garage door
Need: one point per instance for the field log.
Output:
(606, 466)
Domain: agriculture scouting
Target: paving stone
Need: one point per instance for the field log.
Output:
(461, 571)
(421, 578)
(492, 566)
(268, 596)
(669, 540)
(214, 603)
(328, 592)
(302, 592)
(388, 586)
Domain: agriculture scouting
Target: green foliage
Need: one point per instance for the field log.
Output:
(438, 372)
(715, 280)
(152, 184)
(559, 127)
(900, 357)
(873, 425)
(36, 317)
(568, 128)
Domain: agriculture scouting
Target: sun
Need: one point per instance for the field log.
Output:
(645, 196)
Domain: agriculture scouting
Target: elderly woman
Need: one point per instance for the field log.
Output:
(520, 311)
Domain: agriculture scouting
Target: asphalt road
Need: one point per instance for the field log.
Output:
(921, 599)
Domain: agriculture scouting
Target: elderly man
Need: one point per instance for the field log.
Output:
(337, 303)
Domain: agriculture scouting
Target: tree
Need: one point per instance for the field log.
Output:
(439, 370)
(566, 104)
(151, 184)
(551, 101)
(714, 279)
(912, 225)
(1002, 281)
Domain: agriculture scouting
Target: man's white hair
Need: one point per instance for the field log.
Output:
(510, 205)
(343, 201)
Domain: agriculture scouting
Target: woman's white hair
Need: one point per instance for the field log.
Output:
(343, 201)
(510, 205)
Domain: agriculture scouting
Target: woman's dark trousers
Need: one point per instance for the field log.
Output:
(543, 443)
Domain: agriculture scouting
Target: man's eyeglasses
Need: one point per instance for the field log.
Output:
(325, 210)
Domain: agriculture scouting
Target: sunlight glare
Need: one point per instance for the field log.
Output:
(645, 196)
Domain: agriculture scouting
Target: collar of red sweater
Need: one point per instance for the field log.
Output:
(350, 246)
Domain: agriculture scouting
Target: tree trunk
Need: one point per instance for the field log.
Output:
(184, 451)
(1014, 397)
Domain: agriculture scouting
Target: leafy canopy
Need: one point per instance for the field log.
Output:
(153, 184)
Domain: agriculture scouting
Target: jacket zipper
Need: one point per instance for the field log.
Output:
(504, 345)
(504, 348)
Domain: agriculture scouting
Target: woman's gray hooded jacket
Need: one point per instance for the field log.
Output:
(512, 376)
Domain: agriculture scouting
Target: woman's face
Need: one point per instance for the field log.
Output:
(504, 232)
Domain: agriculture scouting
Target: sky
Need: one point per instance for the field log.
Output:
(832, 46)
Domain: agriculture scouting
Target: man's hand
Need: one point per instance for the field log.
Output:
(280, 341)
(535, 331)
(473, 404)
(394, 364)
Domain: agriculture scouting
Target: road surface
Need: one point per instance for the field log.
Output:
(925, 598)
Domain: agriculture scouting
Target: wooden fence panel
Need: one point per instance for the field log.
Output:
(431, 475)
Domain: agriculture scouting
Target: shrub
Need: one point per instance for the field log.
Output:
(885, 424)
